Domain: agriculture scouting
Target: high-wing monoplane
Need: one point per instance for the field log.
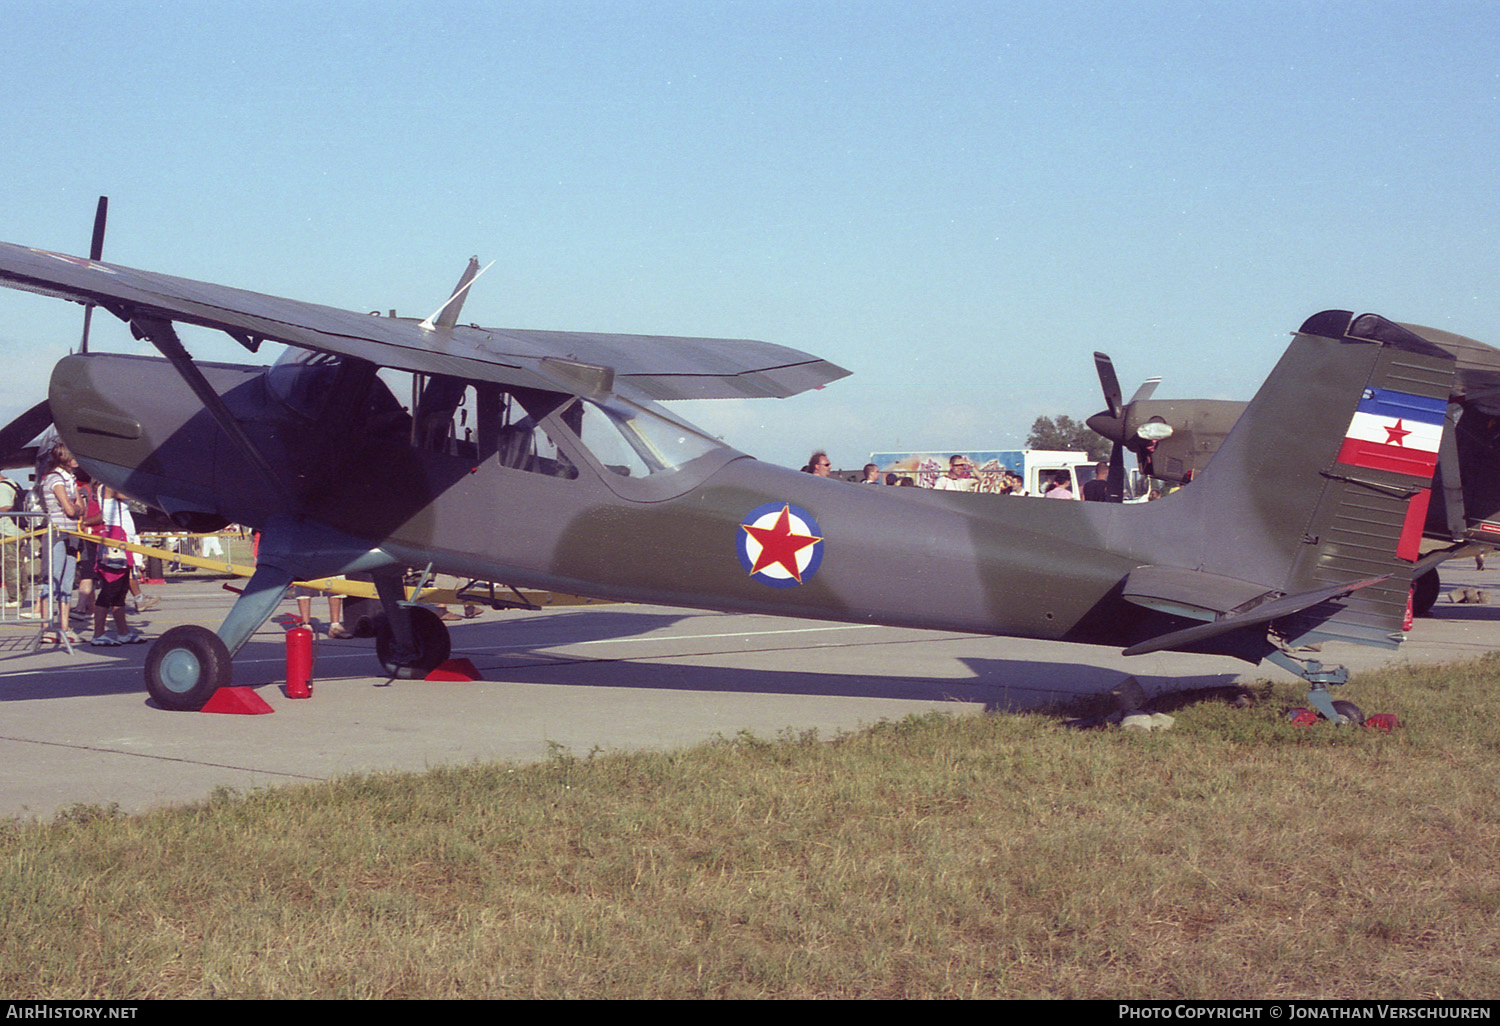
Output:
(546, 459)
(1174, 439)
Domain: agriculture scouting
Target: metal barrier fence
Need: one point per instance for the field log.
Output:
(213, 550)
(27, 545)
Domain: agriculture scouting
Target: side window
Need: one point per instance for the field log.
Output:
(445, 417)
(525, 445)
(520, 441)
(478, 421)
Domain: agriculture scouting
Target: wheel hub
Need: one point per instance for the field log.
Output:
(180, 670)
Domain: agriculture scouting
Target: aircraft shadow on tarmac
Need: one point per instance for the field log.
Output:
(522, 653)
(999, 685)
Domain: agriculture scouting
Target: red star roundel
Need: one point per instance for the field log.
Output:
(780, 544)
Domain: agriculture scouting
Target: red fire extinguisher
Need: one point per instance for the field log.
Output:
(299, 661)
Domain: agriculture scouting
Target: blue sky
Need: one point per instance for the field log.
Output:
(959, 202)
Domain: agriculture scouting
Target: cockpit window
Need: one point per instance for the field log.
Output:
(524, 445)
(303, 379)
(634, 441)
(519, 427)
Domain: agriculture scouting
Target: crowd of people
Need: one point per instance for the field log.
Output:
(960, 477)
(819, 465)
(82, 576)
(101, 575)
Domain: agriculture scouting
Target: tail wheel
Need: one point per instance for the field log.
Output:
(1349, 711)
(185, 666)
(432, 645)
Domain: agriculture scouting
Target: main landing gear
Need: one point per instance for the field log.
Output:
(187, 664)
(429, 646)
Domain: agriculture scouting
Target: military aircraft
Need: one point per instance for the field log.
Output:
(573, 477)
(1174, 439)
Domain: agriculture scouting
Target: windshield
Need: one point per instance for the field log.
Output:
(635, 441)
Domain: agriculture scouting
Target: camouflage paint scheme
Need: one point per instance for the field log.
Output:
(1276, 544)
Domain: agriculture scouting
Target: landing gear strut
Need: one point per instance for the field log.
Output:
(1319, 677)
(186, 665)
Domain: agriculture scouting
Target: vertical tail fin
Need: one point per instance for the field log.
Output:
(1323, 483)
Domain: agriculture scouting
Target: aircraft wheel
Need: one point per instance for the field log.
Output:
(360, 616)
(433, 645)
(185, 666)
(1424, 592)
(1349, 711)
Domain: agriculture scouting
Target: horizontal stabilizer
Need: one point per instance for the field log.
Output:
(1192, 593)
(1262, 613)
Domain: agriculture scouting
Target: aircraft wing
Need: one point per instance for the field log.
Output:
(660, 367)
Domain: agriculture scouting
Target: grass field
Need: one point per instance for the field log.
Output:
(985, 856)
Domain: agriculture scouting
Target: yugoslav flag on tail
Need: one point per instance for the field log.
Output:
(1398, 432)
(1395, 431)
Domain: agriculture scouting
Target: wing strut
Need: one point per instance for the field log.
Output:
(163, 336)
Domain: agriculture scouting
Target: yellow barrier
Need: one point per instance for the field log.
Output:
(7, 539)
(337, 585)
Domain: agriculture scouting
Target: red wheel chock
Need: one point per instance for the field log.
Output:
(454, 669)
(242, 701)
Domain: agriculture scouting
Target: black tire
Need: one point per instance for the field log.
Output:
(433, 645)
(360, 616)
(1349, 711)
(185, 666)
(1424, 592)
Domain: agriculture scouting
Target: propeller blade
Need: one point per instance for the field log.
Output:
(1147, 388)
(1116, 479)
(96, 250)
(101, 214)
(1109, 382)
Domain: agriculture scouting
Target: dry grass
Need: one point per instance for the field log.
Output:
(1236, 856)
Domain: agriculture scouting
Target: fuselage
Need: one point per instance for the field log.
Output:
(715, 529)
